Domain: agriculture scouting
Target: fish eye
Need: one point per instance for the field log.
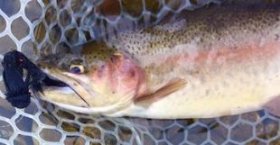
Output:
(77, 69)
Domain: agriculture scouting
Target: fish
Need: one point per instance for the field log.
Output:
(210, 62)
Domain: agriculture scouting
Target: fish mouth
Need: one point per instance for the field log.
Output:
(72, 94)
(59, 91)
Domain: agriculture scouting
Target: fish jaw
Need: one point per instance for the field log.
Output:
(110, 87)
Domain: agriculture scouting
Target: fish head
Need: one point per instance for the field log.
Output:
(98, 79)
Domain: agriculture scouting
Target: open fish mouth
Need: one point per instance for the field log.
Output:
(57, 91)
(68, 93)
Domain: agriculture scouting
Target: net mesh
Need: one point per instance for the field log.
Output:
(45, 26)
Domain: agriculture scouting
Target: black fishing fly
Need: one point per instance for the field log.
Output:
(17, 86)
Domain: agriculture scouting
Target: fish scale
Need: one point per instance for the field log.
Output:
(193, 30)
(223, 54)
(212, 25)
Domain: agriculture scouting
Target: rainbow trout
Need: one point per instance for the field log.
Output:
(216, 61)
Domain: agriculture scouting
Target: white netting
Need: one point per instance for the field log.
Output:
(43, 123)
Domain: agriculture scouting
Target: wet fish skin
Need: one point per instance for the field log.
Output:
(226, 58)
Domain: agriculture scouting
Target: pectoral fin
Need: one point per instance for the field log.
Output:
(169, 88)
(273, 106)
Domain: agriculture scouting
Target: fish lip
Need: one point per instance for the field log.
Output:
(62, 85)
(55, 80)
